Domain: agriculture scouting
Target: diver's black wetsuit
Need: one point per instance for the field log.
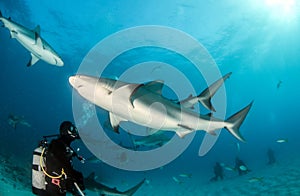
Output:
(59, 155)
(218, 170)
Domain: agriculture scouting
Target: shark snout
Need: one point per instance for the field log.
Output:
(72, 81)
(59, 62)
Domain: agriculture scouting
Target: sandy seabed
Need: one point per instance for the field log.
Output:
(280, 179)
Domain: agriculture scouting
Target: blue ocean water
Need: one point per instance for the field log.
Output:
(256, 40)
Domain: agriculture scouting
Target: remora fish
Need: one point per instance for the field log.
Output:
(33, 42)
(144, 104)
(92, 184)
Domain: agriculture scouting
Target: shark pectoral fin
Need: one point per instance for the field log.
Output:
(155, 86)
(13, 34)
(115, 121)
(33, 60)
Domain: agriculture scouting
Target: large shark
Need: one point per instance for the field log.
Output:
(91, 184)
(144, 104)
(33, 42)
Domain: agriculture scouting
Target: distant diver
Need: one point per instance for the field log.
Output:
(14, 120)
(241, 167)
(33, 42)
(219, 172)
(271, 157)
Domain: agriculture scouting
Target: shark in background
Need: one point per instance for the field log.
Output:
(93, 185)
(154, 140)
(14, 120)
(145, 105)
(33, 42)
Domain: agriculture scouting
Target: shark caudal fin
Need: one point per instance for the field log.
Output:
(1, 14)
(234, 122)
(134, 189)
(205, 97)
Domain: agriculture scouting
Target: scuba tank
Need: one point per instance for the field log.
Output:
(38, 161)
(38, 176)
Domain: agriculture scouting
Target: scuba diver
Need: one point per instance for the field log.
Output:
(55, 165)
(241, 167)
(218, 170)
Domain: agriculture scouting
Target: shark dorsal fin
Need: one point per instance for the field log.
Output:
(37, 29)
(155, 86)
(38, 40)
(209, 114)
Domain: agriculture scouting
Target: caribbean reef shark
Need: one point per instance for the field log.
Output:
(33, 42)
(93, 185)
(145, 105)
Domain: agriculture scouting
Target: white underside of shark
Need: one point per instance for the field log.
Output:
(33, 42)
(144, 104)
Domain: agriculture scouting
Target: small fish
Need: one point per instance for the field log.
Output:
(176, 180)
(147, 182)
(282, 140)
(279, 84)
(229, 168)
(243, 168)
(185, 175)
(255, 179)
(238, 147)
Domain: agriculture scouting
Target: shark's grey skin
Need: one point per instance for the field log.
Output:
(144, 104)
(14, 120)
(33, 42)
(91, 184)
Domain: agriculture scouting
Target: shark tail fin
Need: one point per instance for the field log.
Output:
(131, 191)
(1, 14)
(234, 122)
(205, 97)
